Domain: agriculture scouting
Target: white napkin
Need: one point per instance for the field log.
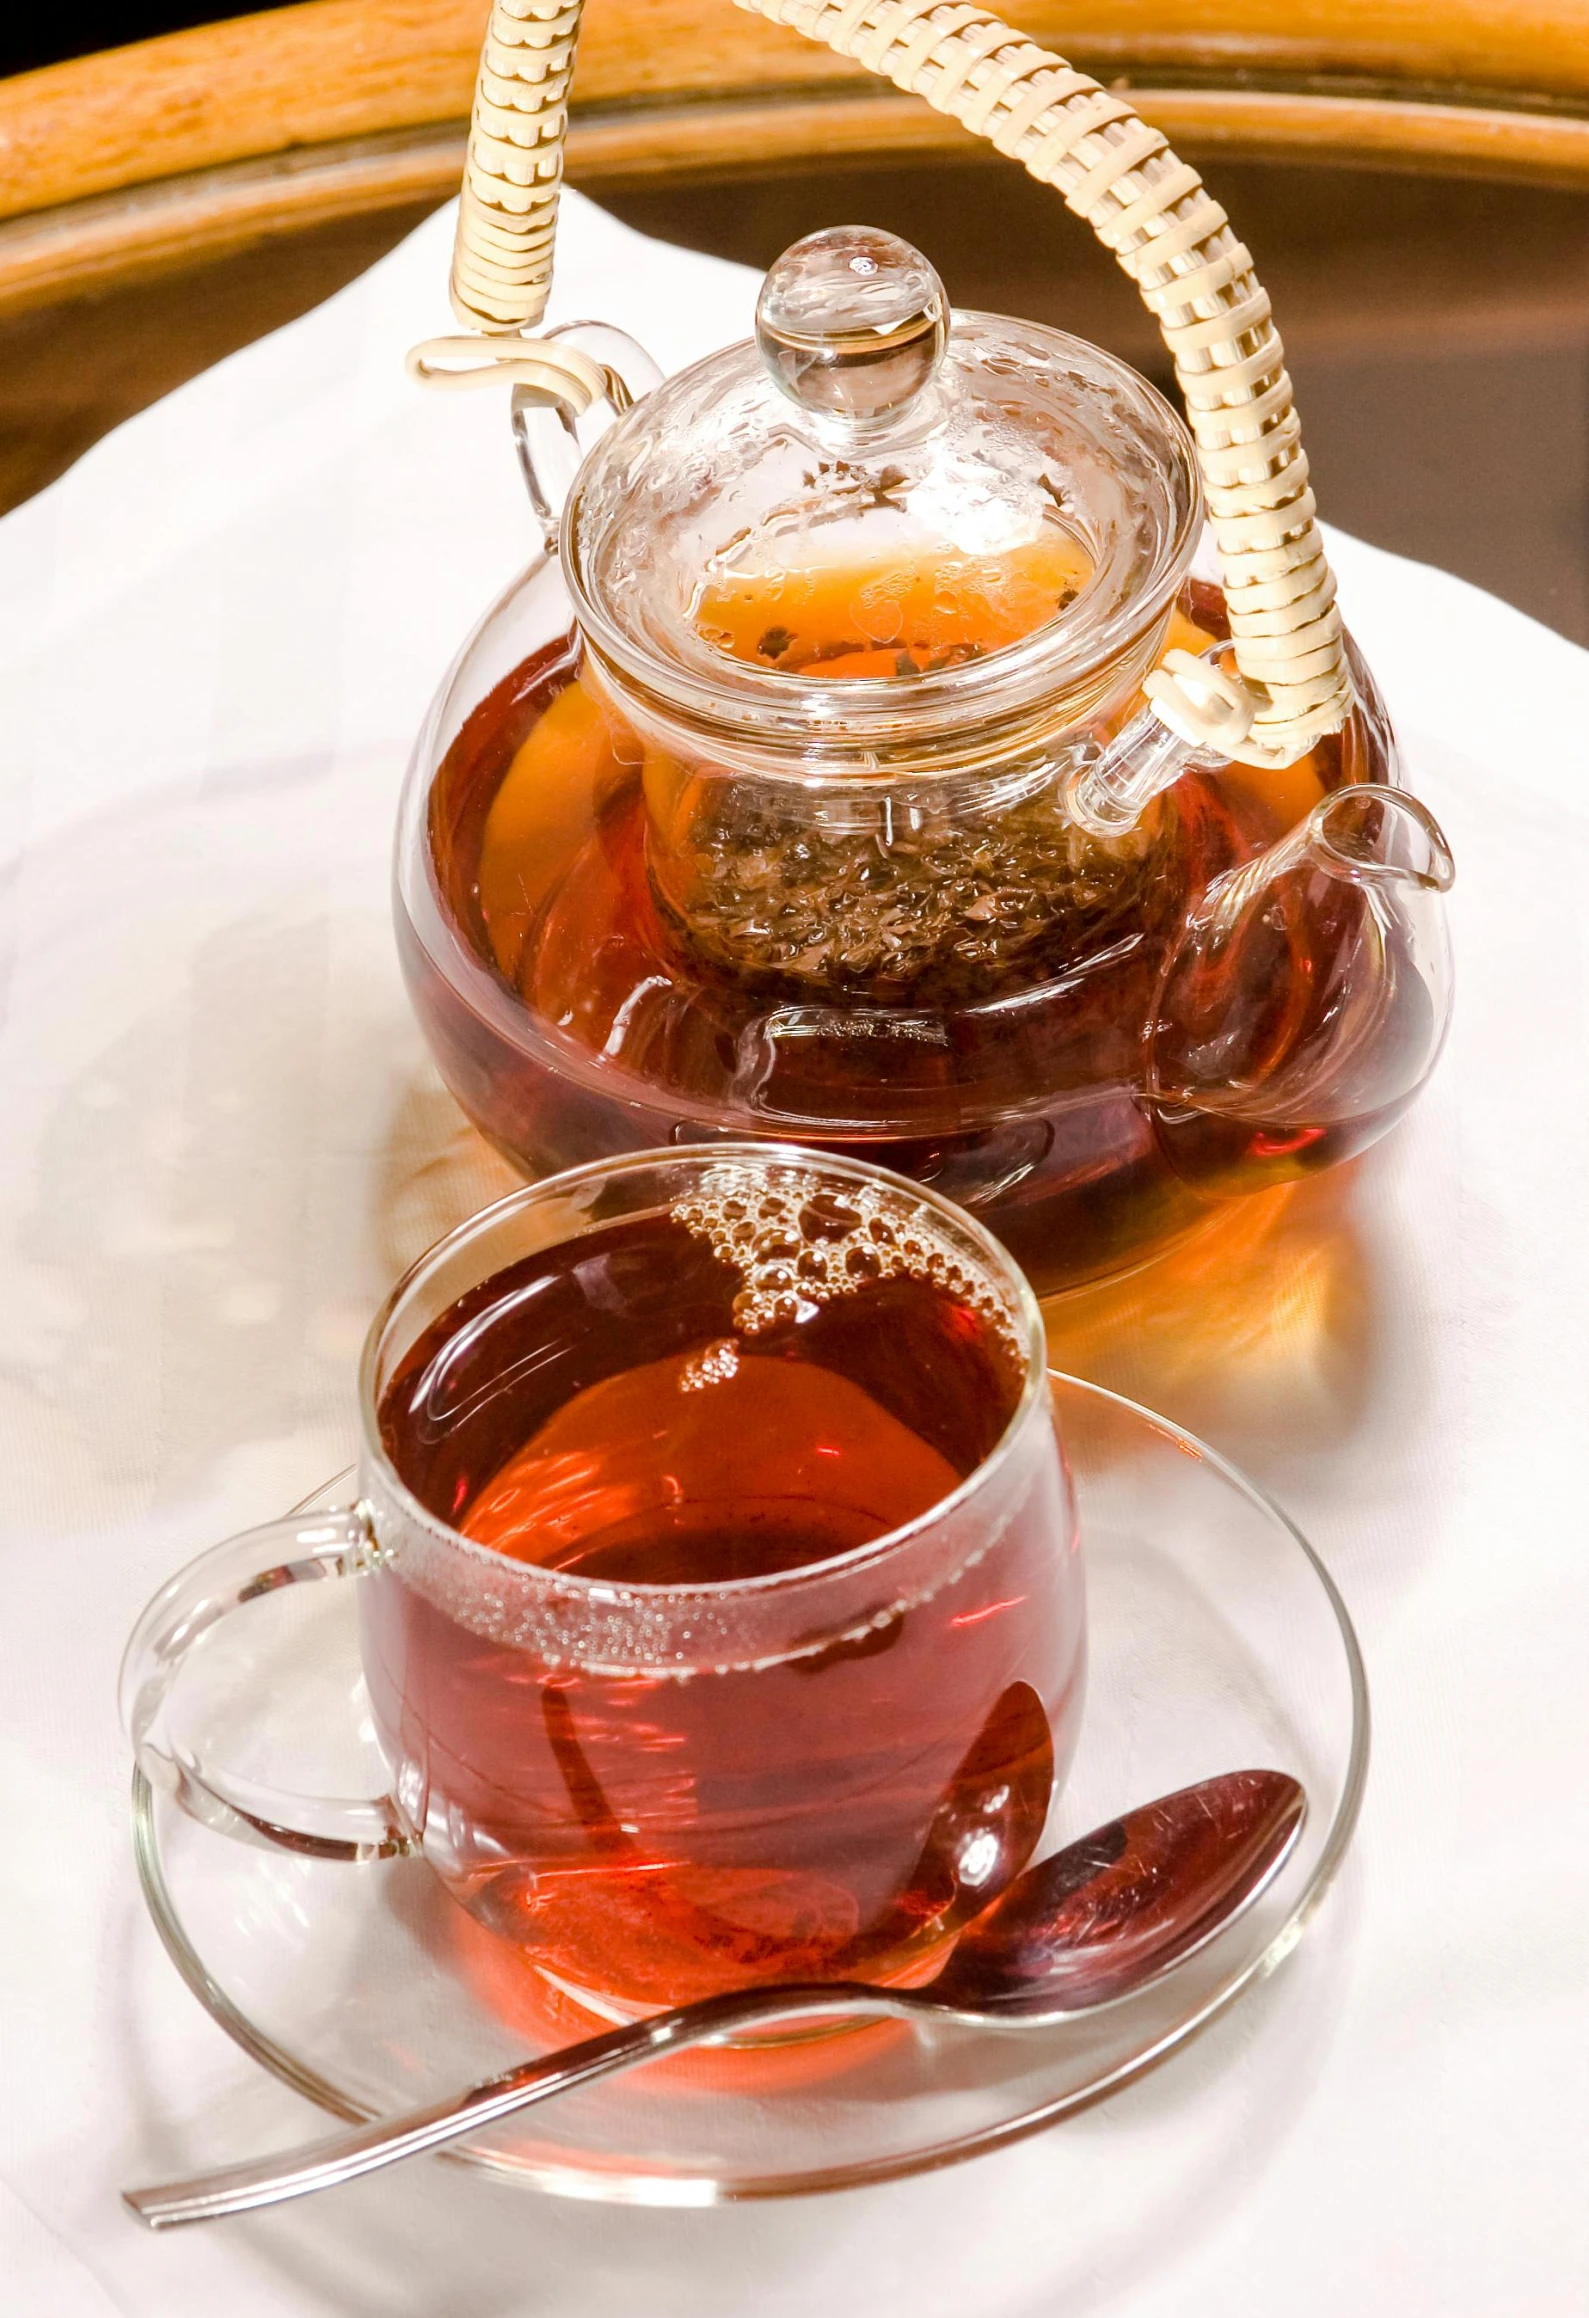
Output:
(222, 1139)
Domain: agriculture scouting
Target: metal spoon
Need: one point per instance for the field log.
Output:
(1096, 1921)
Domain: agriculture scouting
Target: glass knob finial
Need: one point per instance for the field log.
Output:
(852, 323)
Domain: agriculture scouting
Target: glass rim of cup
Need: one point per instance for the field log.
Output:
(569, 1585)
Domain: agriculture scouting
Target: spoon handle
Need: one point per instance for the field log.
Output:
(340, 2157)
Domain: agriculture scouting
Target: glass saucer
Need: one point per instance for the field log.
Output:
(1218, 1641)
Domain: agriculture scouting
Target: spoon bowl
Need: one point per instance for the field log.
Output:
(1111, 1912)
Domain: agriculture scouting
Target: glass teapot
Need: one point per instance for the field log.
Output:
(821, 780)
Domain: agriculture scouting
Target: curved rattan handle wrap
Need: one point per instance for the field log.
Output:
(502, 258)
(1146, 206)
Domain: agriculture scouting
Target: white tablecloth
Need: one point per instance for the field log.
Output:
(221, 1139)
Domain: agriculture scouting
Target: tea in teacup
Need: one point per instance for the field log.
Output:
(730, 1396)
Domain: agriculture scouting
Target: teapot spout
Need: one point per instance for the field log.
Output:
(1367, 835)
(1309, 996)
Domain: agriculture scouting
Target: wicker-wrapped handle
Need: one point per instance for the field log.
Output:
(1145, 205)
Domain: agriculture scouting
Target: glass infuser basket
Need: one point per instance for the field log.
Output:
(861, 763)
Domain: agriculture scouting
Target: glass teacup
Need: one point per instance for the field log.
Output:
(721, 1611)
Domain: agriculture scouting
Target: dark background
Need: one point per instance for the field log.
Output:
(32, 34)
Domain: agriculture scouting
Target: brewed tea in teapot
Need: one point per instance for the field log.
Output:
(810, 786)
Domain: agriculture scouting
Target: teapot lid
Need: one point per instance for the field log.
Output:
(881, 515)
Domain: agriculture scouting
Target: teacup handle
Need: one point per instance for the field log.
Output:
(297, 1551)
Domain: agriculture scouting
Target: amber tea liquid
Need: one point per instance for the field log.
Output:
(624, 1408)
(1004, 1068)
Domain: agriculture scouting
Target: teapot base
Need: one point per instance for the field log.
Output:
(1081, 1195)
